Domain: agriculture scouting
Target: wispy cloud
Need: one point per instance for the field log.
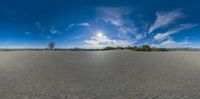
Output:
(102, 41)
(119, 17)
(168, 43)
(133, 31)
(28, 33)
(46, 31)
(84, 24)
(163, 36)
(48, 37)
(38, 25)
(164, 19)
(71, 26)
(172, 44)
(54, 31)
(113, 15)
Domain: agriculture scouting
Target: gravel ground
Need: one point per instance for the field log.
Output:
(99, 75)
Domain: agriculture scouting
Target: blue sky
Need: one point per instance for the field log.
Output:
(99, 23)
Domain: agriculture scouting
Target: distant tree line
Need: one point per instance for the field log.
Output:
(51, 46)
(137, 48)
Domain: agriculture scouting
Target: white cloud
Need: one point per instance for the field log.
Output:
(170, 43)
(173, 44)
(126, 30)
(160, 36)
(27, 33)
(185, 42)
(164, 19)
(139, 36)
(84, 24)
(101, 41)
(163, 36)
(71, 25)
(54, 31)
(133, 31)
(113, 15)
(119, 17)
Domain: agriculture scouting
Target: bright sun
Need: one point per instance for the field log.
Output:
(100, 34)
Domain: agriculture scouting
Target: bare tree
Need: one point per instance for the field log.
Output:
(51, 45)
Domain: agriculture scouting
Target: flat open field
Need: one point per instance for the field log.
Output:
(99, 75)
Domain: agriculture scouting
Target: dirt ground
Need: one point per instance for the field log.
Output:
(99, 75)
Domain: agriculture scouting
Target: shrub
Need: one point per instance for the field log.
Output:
(109, 48)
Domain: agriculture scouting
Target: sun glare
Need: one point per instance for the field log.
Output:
(100, 34)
